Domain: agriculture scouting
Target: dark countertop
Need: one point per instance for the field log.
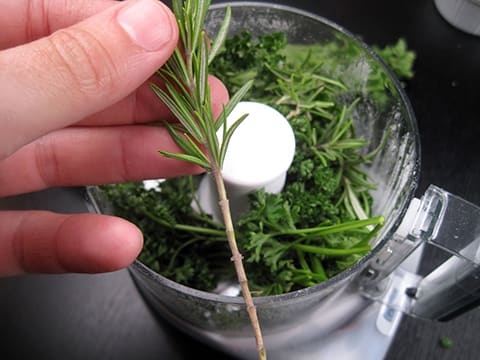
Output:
(103, 316)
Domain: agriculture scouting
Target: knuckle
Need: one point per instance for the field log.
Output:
(46, 162)
(82, 61)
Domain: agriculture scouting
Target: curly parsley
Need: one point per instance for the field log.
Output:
(319, 225)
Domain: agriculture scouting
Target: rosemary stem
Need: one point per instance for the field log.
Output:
(238, 263)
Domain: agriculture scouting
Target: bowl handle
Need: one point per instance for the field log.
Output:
(451, 225)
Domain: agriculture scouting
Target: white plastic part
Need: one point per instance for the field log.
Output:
(260, 151)
(409, 218)
(152, 184)
(259, 154)
(463, 14)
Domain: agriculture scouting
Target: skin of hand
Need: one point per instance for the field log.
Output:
(74, 109)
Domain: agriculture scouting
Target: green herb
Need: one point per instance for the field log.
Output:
(318, 226)
(399, 58)
(187, 95)
(321, 223)
(181, 244)
(244, 59)
(445, 342)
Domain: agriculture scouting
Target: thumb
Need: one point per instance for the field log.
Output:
(77, 71)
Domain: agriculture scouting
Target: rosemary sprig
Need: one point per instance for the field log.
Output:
(187, 95)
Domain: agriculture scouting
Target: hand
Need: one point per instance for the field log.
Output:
(73, 103)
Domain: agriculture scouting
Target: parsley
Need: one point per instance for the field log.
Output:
(398, 58)
(320, 224)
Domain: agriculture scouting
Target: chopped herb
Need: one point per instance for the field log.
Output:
(445, 342)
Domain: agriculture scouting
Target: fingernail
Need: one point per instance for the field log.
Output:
(147, 22)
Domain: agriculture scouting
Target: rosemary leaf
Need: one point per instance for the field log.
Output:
(227, 135)
(221, 36)
(188, 158)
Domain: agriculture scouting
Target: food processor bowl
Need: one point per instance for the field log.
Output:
(292, 321)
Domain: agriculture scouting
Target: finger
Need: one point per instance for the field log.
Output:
(44, 242)
(87, 156)
(80, 70)
(26, 20)
(144, 106)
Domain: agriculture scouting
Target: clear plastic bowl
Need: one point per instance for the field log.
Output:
(292, 322)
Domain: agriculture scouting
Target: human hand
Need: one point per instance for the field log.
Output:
(73, 103)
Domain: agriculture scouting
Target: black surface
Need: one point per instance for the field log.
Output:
(103, 316)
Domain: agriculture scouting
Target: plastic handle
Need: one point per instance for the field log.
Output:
(453, 287)
(450, 224)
